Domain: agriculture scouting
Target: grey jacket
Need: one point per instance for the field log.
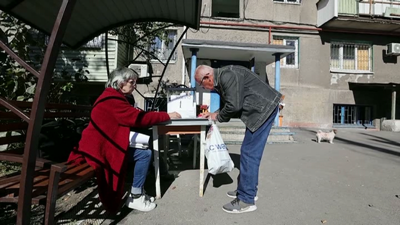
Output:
(244, 95)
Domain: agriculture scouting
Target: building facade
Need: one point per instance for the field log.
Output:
(341, 73)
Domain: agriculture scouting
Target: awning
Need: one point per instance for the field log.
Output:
(90, 18)
(235, 51)
(373, 86)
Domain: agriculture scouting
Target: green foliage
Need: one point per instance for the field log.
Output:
(16, 83)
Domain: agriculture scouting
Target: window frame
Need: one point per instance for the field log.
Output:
(164, 48)
(341, 57)
(296, 53)
(231, 18)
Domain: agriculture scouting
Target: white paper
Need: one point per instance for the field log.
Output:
(138, 140)
(182, 104)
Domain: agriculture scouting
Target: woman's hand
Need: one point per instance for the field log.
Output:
(174, 115)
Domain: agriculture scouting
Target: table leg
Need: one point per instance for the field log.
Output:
(166, 148)
(195, 150)
(202, 149)
(156, 161)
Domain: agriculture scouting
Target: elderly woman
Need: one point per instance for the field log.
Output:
(104, 143)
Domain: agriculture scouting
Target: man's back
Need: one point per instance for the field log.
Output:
(257, 99)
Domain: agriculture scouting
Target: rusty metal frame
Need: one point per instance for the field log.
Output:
(36, 117)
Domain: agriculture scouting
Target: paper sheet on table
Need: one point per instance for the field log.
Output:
(138, 140)
(182, 104)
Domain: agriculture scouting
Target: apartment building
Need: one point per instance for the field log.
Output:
(344, 70)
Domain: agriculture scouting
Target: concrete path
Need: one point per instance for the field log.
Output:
(356, 180)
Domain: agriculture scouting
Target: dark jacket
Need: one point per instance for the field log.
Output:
(244, 95)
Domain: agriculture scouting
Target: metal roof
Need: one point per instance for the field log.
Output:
(90, 18)
(235, 51)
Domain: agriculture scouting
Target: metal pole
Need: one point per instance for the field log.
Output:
(277, 80)
(193, 66)
(393, 105)
(36, 116)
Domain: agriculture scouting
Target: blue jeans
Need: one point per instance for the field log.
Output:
(142, 159)
(250, 157)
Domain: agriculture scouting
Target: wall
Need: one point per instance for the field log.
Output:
(72, 60)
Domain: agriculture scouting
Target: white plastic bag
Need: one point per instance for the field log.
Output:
(218, 158)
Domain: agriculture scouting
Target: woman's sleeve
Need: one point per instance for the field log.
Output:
(128, 115)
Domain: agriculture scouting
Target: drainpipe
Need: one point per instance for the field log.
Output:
(183, 61)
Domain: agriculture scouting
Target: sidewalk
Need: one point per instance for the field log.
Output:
(353, 181)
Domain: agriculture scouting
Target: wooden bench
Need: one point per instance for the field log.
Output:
(51, 180)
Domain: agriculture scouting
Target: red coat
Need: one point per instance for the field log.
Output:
(105, 141)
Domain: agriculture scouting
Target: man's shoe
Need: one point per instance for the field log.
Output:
(233, 194)
(141, 203)
(237, 206)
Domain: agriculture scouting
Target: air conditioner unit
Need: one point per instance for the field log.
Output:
(393, 49)
(141, 69)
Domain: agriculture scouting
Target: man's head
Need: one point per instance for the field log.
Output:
(204, 76)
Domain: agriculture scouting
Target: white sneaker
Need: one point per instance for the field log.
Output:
(142, 203)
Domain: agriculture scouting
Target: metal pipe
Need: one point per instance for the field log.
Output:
(193, 66)
(259, 25)
(183, 62)
(106, 51)
(296, 28)
(269, 35)
(36, 116)
(166, 65)
(277, 80)
(393, 117)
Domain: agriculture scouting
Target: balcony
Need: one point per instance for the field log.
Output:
(371, 15)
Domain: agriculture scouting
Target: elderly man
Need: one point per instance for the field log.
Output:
(244, 95)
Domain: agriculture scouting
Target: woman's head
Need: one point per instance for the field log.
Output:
(123, 79)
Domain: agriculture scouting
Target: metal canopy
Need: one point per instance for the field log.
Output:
(75, 26)
(90, 18)
(234, 50)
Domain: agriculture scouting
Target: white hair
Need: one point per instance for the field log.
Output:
(120, 76)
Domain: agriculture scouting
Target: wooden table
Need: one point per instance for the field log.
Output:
(180, 126)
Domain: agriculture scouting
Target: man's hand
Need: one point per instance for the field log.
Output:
(174, 115)
(213, 116)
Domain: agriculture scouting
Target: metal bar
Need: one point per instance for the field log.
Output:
(393, 117)
(202, 149)
(13, 55)
(43, 85)
(156, 153)
(14, 109)
(166, 65)
(342, 114)
(193, 63)
(277, 81)
(106, 51)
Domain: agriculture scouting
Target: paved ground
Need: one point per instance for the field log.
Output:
(353, 181)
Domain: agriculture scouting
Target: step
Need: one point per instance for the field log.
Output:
(233, 130)
(268, 142)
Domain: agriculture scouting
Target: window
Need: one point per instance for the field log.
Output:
(351, 57)
(225, 8)
(288, 1)
(352, 115)
(162, 48)
(95, 43)
(292, 60)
